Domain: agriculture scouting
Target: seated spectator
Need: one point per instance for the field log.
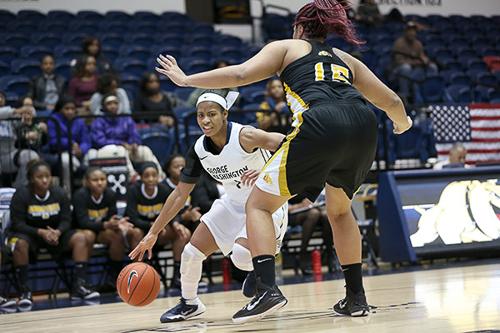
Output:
(84, 82)
(275, 101)
(152, 99)
(145, 200)
(189, 216)
(117, 136)
(91, 46)
(48, 87)
(409, 61)
(301, 214)
(41, 217)
(106, 84)
(94, 208)
(206, 191)
(30, 137)
(65, 112)
(456, 158)
(369, 13)
(193, 97)
(8, 139)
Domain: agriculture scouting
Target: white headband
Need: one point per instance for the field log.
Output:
(226, 103)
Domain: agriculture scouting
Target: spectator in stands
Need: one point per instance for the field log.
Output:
(369, 13)
(30, 137)
(65, 112)
(189, 216)
(275, 101)
(410, 60)
(206, 191)
(152, 99)
(193, 97)
(144, 202)
(91, 46)
(84, 83)
(117, 136)
(94, 208)
(300, 213)
(41, 217)
(8, 139)
(456, 158)
(48, 87)
(106, 84)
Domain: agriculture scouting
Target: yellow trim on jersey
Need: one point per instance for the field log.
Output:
(296, 97)
(319, 72)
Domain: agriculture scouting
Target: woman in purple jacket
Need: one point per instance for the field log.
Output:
(117, 136)
(64, 114)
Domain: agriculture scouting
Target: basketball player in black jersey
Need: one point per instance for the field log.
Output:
(332, 143)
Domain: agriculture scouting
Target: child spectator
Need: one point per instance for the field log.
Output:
(152, 99)
(41, 217)
(118, 136)
(144, 202)
(275, 101)
(65, 112)
(94, 208)
(30, 137)
(106, 84)
(84, 83)
(189, 217)
(48, 87)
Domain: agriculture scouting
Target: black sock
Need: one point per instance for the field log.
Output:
(177, 268)
(22, 277)
(264, 268)
(81, 271)
(352, 276)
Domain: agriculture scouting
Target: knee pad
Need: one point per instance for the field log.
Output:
(190, 255)
(242, 258)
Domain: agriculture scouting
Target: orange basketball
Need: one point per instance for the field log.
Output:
(138, 284)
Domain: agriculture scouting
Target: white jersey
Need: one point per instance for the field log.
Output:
(229, 165)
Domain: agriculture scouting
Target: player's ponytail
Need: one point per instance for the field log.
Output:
(322, 17)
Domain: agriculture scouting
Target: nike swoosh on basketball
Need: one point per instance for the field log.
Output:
(261, 261)
(250, 307)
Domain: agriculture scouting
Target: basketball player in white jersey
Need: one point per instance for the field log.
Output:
(227, 150)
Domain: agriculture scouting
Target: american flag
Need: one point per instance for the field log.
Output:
(477, 126)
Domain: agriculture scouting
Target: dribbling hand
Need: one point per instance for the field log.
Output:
(403, 127)
(169, 68)
(146, 244)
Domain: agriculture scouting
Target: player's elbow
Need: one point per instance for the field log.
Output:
(391, 101)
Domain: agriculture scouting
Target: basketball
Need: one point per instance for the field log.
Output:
(138, 284)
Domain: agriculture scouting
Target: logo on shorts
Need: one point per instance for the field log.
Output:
(130, 277)
(267, 178)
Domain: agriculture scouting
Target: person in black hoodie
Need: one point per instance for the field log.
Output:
(94, 208)
(41, 217)
(145, 200)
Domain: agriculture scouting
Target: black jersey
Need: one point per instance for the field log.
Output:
(141, 209)
(28, 212)
(90, 213)
(318, 77)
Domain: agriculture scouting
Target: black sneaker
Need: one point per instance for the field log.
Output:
(26, 300)
(267, 301)
(7, 303)
(353, 305)
(183, 311)
(249, 287)
(81, 291)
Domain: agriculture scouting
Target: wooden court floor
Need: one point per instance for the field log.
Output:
(460, 299)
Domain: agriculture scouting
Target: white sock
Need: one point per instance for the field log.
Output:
(191, 266)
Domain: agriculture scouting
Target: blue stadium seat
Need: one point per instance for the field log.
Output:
(476, 65)
(137, 52)
(27, 14)
(144, 40)
(34, 52)
(486, 79)
(26, 67)
(50, 40)
(60, 16)
(88, 15)
(15, 83)
(200, 52)
(229, 52)
(63, 51)
(85, 27)
(464, 52)
(160, 140)
(460, 78)
(144, 28)
(432, 89)
(110, 52)
(54, 26)
(112, 39)
(6, 16)
(7, 54)
(174, 51)
(16, 40)
(169, 40)
(130, 66)
(116, 27)
(73, 38)
(202, 40)
(494, 95)
(166, 84)
(181, 111)
(458, 94)
(63, 69)
(482, 94)
(183, 93)
(202, 28)
(24, 27)
(4, 69)
(246, 118)
(117, 15)
(143, 16)
(172, 28)
(258, 96)
(198, 66)
(488, 51)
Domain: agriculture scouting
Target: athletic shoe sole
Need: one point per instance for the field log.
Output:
(361, 313)
(247, 319)
(182, 318)
(8, 304)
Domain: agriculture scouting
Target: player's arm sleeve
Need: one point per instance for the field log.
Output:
(81, 213)
(65, 221)
(192, 172)
(132, 212)
(18, 208)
